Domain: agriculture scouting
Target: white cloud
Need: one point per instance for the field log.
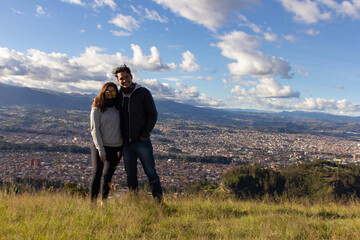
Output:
(153, 15)
(188, 62)
(252, 26)
(345, 106)
(302, 71)
(209, 13)
(77, 2)
(17, 11)
(152, 62)
(312, 32)
(251, 101)
(239, 91)
(270, 37)
(242, 48)
(99, 26)
(100, 3)
(158, 89)
(266, 88)
(120, 33)
(345, 8)
(187, 92)
(205, 78)
(271, 88)
(172, 79)
(82, 30)
(308, 104)
(182, 93)
(40, 11)
(320, 104)
(145, 13)
(202, 78)
(290, 38)
(58, 72)
(317, 104)
(135, 10)
(126, 22)
(306, 11)
(312, 11)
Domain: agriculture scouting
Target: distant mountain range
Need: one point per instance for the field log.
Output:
(291, 122)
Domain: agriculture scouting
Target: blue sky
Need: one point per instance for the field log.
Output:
(269, 55)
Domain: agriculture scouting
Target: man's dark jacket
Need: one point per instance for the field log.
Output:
(142, 113)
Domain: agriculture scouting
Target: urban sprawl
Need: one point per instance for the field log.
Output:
(175, 143)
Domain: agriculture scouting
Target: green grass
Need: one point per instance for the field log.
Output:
(58, 216)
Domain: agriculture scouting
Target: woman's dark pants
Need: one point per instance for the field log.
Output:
(105, 171)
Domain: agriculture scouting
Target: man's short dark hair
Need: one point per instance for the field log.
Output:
(122, 68)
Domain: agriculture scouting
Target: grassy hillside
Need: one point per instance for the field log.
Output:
(59, 216)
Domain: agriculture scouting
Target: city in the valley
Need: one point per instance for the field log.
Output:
(54, 145)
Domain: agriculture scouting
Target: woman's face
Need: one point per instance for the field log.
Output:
(110, 92)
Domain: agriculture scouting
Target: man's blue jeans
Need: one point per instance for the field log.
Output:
(144, 151)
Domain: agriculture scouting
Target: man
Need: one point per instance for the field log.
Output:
(138, 118)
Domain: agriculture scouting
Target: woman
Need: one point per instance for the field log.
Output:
(106, 149)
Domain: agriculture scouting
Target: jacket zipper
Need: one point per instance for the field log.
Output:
(129, 118)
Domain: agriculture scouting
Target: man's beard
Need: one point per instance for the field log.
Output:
(129, 89)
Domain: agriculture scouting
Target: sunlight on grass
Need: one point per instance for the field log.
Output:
(58, 216)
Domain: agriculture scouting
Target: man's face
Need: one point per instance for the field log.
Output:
(124, 79)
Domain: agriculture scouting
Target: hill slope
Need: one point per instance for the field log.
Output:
(56, 216)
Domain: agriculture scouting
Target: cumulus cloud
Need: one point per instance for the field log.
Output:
(271, 88)
(266, 88)
(308, 104)
(187, 92)
(345, 106)
(188, 62)
(317, 104)
(152, 62)
(57, 71)
(158, 89)
(320, 104)
(305, 11)
(210, 13)
(181, 93)
(242, 48)
(126, 22)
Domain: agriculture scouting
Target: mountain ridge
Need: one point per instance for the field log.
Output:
(286, 121)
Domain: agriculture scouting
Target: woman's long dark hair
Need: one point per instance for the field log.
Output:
(99, 100)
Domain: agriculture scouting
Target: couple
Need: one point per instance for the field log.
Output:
(121, 122)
